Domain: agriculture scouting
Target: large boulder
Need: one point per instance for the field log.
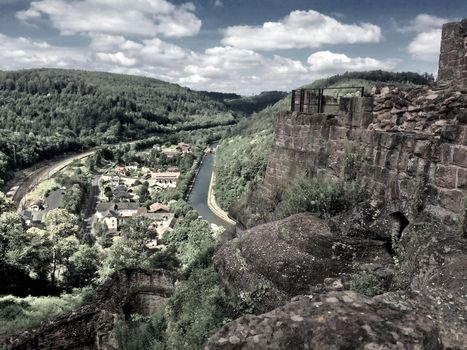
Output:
(336, 320)
(270, 263)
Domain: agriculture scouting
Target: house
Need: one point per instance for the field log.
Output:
(122, 192)
(171, 152)
(122, 171)
(164, 178)
(184, 147)
(38, 209)
(114, 214)
(161, 222)
(158, 208)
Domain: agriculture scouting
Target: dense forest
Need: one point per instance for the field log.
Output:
(248, 104)
(46, 112)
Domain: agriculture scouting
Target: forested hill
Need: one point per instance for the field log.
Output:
(44, 112)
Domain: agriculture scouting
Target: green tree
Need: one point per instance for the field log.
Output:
(82, 266)
(5, 203)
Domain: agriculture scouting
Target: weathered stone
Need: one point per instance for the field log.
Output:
(452, 200)
(284, 258)
(445, 176)
(337, 320)
(459, 156)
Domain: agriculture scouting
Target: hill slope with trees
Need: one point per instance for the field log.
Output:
(44, 112)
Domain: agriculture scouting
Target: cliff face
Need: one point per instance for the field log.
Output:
(92, 326)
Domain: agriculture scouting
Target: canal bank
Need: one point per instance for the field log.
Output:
(202, 190)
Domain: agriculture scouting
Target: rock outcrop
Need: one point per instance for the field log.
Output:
(337, 320)
(276, 261)
(426, 310)
(92, 326)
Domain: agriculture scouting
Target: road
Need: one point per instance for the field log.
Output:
(29, 178)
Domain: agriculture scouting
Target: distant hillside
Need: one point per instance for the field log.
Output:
(44, 112)
(247, 104)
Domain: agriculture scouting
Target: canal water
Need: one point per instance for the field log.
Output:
(198, 198)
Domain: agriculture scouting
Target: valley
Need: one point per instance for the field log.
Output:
(140, 214)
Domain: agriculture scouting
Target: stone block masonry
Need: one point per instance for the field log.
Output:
(412, 142)
(453, 57)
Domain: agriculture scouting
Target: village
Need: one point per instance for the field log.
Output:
(118, 193)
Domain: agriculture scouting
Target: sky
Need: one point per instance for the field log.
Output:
(241, 46)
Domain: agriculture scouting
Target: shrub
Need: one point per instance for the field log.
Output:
(319, 195)
(367, 283)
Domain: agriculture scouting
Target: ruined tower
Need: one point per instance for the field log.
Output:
(453, 56)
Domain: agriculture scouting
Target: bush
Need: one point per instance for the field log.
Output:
(196, 310)
(318, 195)
(143, 333)
(367, 283)
(17, 314)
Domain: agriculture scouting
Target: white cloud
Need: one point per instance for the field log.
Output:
(218, 3)
(118, 58)
(426, 43)
(127, 17)
(421, 23)
(23, 52)
(327, 63)
(300, 29)
(222, 68)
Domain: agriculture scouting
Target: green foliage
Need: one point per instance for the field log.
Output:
(18, 314)
(82, 266)
(196, 310)
(323, 196)
(47, 112)
(352, 163)
(252, 104)
(249, 302)
(240, 164)
(380, 76)
(366, 282)
(143, 333)
(189, 239)
(5, 203)
(163, 259)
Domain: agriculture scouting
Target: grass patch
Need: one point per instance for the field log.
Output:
(18, 314)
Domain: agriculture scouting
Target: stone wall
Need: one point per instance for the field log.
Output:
(453, 57)
(398, 167)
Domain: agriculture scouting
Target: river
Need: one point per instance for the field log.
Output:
(198, 198)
